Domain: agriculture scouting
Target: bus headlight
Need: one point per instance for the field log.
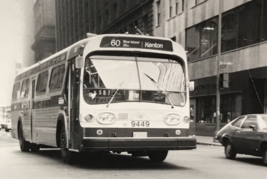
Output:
(89, 118)
(106, 118)
(172, 119)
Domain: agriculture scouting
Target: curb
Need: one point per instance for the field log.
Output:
(212, 144)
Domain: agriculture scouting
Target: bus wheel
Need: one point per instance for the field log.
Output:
(35, 148)
(157, 156)
(66, 155)
(24, 145)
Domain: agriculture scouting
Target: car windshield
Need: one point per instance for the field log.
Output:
(125, 79)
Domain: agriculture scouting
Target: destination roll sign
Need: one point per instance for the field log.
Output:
(131, 42)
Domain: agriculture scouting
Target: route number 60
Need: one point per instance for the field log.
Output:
(116, 43)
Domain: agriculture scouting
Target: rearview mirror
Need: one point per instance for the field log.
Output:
(79, 62)
(191, 86)
(253, 127)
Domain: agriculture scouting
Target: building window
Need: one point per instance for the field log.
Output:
(193, 3)
(208, 38)
(249, 23)
(229, 108)
(170, 8)
(177, 7)
(145, 24)
(100, 22)
(115, 9)
(192, 43)
(158, 12)
(229, 30)
(242, 26)
(264, 21)
(201, 40)
(107, 15)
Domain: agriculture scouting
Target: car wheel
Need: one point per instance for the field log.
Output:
(24, 145)
(264, 157)
(67, 156)
(229, 151)
(157, 156)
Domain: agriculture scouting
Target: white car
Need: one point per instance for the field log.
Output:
(8, 124)
(2, 123)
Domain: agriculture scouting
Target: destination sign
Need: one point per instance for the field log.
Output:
(131, 42)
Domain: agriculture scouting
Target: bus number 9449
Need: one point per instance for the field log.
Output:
(140, 123)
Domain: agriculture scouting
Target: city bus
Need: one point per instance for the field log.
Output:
(109, 93)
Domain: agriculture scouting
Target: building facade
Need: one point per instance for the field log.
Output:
(77, 18)
(243, 37)
(16, 38)
(44, 31)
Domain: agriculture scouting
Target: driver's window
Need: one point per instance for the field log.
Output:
(91, 76)
(249, 121)
(238, 122)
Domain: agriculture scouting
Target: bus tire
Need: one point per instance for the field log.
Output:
(35, 147)
(24, 145)
(157, 156)
(66, 155)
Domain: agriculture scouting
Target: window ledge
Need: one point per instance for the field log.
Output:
(198, 4)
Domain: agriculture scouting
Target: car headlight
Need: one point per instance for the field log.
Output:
(106, 118)
(172, 119)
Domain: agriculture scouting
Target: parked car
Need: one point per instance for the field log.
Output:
(8, 125)
(246, 134)
(2, 123)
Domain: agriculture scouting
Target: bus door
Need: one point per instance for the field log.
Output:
(73, 103)
(33, 81)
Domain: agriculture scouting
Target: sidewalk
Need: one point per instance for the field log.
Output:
(206, 140)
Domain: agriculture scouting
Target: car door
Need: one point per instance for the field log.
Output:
(256, 136)
(235, 131)
(246, 135)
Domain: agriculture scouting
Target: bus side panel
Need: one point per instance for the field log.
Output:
(44, 125)
(14, 121)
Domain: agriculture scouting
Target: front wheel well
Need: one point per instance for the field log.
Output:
(225, 140)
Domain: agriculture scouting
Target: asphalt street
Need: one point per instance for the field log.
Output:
(205, 162)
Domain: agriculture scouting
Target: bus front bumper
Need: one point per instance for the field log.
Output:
(138, 144)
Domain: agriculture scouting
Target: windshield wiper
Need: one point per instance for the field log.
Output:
(163, 91)
(114, 94)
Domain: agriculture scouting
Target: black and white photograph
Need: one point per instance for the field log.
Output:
(135, 89)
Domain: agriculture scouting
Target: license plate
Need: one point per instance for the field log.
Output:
(139, 134)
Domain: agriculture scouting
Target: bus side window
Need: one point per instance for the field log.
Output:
(16, 91)
(42, 82)
(25, 88)
(57, 76)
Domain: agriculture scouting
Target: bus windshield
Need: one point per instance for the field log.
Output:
(126, 79)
